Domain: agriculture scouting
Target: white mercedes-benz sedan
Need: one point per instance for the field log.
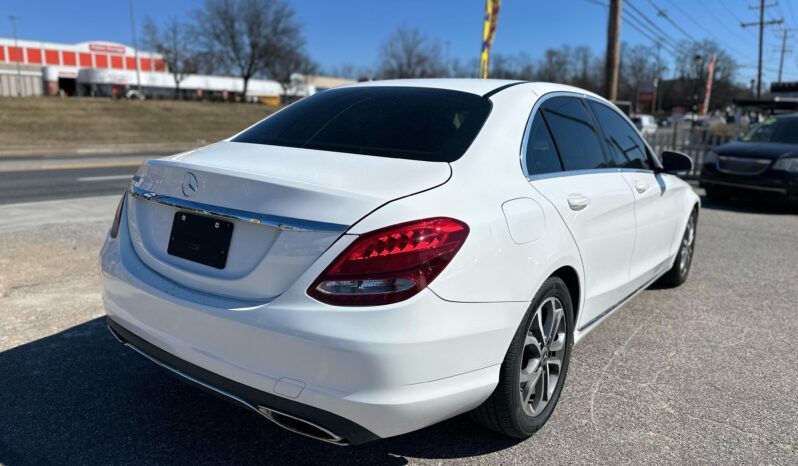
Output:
(379, 257)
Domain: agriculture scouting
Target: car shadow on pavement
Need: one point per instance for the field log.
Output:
(79, 397)
(751, 206)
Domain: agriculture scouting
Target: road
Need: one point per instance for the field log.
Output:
(27, 179)
(701, 374)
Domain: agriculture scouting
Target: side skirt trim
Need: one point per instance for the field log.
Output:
(620, 303)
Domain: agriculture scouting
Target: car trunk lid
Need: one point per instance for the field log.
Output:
(286, 206)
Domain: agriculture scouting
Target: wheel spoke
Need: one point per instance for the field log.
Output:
(555, 361)
(545, 395)
(530, 388)
(528, 372)
(532, 342)
(537, 325)
(555, 324)
(558, 344)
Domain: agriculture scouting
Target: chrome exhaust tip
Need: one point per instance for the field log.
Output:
(301, 426)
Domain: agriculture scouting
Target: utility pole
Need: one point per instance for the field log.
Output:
(761, 23)
(612, 65)
(784, 35)
(17, 53)
(135, 46)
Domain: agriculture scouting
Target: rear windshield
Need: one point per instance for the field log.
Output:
(433, 125)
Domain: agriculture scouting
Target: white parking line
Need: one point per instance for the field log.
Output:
(105, 178)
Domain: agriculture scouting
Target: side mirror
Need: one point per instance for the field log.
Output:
(676, 163)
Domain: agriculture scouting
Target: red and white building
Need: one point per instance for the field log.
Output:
(46, 67)
(107, 69)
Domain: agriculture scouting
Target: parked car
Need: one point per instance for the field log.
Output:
(764, 161)
(379, 257)
(646, 124)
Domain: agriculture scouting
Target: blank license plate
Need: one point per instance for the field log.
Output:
(200, 239)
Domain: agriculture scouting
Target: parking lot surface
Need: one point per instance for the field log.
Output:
(706, 373)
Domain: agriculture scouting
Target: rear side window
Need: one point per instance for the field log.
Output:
(434, 125)
(541, 155)
(626, 148)
(573, 132)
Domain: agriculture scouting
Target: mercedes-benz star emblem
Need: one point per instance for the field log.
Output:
(190, 184)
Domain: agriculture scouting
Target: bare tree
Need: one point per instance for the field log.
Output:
(408, 53)
(555, 65)
(639, 68)
(174, 43)
(291, 70)
(248, 35)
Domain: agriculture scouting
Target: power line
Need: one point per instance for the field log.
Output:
(659, 38)
(736, 18)
(635, 24)
(664, 14)
(666, 37)
(702, 27)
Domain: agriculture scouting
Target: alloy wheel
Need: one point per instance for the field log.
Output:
(544, 349)
(686, 253)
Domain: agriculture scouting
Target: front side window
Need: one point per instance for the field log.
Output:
(433, 125)
(577, 140)
(541, 155)
(627, 149)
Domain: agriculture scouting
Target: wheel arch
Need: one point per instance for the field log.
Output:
(570, 276)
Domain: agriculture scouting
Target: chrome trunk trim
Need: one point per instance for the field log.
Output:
(282, 223)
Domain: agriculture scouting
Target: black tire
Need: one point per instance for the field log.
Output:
(505, 411)
(717, 194)
(680, 270)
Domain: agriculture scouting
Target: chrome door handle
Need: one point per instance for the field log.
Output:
(578, 202)
(641, 187)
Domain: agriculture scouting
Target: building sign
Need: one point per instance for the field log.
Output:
(107, 48)
(645, 97)
(784, 87)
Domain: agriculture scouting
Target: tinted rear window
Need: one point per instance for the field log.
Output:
(434, 125)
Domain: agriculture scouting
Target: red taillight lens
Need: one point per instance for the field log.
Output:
(118, 217)
(391, 264)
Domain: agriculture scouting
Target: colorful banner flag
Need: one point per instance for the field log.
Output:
(708, 90)
(488, 32)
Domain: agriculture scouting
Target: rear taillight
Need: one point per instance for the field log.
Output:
(389, 265)
(118, 217)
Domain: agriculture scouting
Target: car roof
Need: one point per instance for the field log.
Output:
(473, 86)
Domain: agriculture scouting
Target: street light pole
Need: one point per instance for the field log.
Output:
(135, 46)
(16, 54)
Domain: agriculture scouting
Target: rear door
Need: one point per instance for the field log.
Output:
(655, 204)
(564, 160)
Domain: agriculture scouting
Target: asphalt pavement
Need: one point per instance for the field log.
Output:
(27, 179)
(702, 374)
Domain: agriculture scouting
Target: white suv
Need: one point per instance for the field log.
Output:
(379, 257)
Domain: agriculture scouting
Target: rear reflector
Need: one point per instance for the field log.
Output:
(391, 264)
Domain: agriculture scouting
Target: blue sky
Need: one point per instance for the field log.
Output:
(350, 31)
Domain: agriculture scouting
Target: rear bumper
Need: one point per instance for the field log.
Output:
(331, 428)
(361, 373)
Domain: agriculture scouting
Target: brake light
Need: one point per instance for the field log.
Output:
(118, 217)
(391, 264)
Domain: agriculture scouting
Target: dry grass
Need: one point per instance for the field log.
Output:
(82, 122)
